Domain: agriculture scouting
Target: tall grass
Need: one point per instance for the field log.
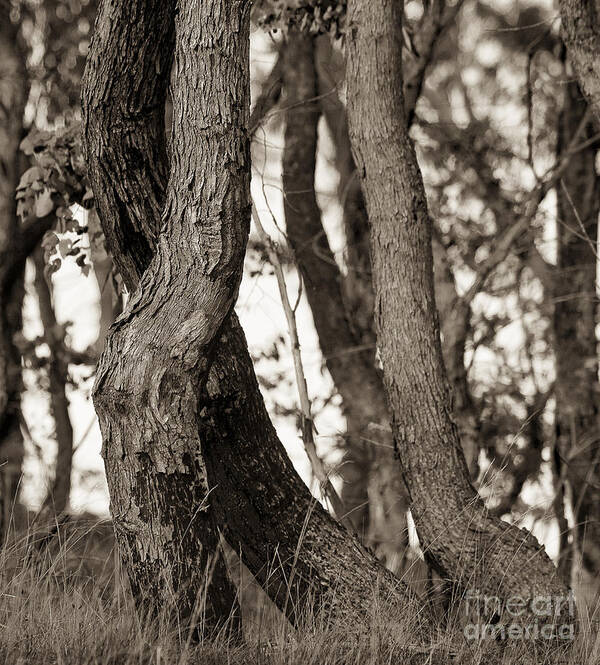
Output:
(64, 601)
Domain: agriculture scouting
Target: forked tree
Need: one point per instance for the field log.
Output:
(188, 445)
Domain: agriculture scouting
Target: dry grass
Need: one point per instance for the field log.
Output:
(64, 601)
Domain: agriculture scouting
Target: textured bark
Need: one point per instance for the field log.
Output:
(158, 352)
(465, 543)
(58, 374)
(124, 124)
(13, 93)
(292, 546)
(581, 34)
(577, 389)
(286, 538)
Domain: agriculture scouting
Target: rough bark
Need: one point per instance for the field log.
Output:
(128, 134)
(577, 390)
(13, 94)
(581, 34)
(292, 546)
(158, 352)
(286, 538)
(465, 544)
(58, 374)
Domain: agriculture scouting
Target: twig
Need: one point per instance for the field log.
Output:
(327, 490)
(531, 205)
(530, 57)
(585, 235)
(269, 96)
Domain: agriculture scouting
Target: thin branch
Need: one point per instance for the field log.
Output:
(327, 489)
(585, 235)
(503, 246)
(269, 96)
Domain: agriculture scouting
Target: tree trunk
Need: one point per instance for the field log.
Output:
(352, 367)
(288, 541)
(158, 352)
(381, 485)
(58, 374)
(372, 485)
(581, 34)
(467, 545)
(13, 93)
(577, 389)
(292, 546)
(342, 306)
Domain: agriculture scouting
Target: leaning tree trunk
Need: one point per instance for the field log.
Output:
(577, 389)
(13, 93)
(188, 438)
(369, 471)
(384, 491)
(466, 544)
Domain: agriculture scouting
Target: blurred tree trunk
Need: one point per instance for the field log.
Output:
(57, 371)
(180, 450)
(371, 476)
(13, 96)
(111, 302)
(577, 390)
(581, 34)
(458, 535)
(454, 314)
(351, 365)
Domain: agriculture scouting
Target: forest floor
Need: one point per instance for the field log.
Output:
(64, 601)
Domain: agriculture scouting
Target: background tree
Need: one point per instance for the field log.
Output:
(44, 48)
(13, 92)
(433, 463)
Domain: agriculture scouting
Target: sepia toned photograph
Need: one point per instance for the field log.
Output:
(299, 332)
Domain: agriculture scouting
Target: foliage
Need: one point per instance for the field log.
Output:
(56, 33)
(55, 183)
(311, 16)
